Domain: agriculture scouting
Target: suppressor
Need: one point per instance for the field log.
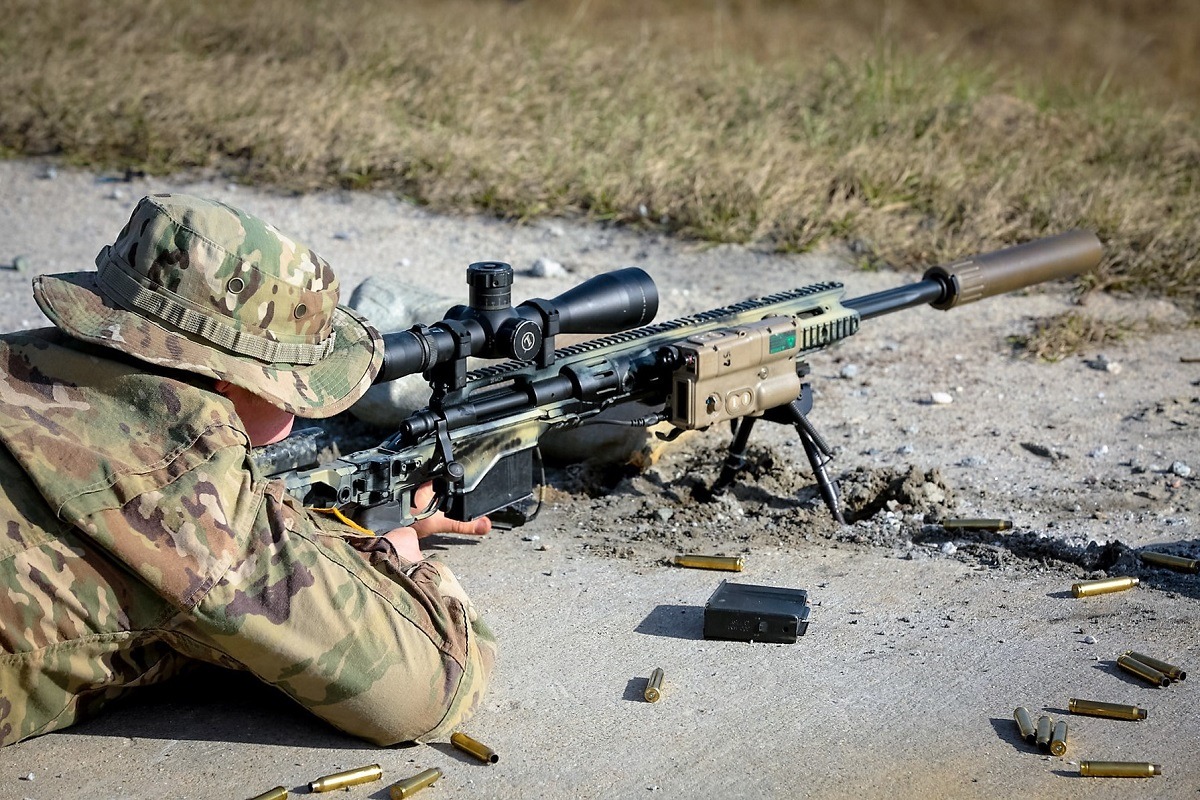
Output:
(278, 793)
(1058, 739)
(1177, 563)
(1170, 670)
(1103, 586)
(653, 690)
(726, 563)
(1143, 671)
(351, 777)
(410, 786)
(1025, 724)
(1095, 708)
(974, 524)
(1118, 769)
(477, 749)
(1045, 729)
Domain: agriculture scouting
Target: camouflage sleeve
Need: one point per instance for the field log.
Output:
(380, 648)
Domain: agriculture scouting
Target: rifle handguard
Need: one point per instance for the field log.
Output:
(981, 276)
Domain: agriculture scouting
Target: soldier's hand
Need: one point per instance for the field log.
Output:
(406, 540)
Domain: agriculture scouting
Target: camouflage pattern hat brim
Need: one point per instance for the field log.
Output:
(75, 303)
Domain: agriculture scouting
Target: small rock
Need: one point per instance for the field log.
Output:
(905, 450)
(664, 514)
(949, 548)
(530, 538)
(1181, 469)
(1113, 367)
(1089, 639)
(541, 548)
(941, 398)
(116, 194)
(21, 263)
(973, 461)
(342, 235)
(27, 777)
(849, 371)
(545, 268)
(1099, 452)
(49, 174)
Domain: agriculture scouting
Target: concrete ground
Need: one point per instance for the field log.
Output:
(905, 684)
(906, 681)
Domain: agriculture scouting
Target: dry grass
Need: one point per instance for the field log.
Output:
(909, 130)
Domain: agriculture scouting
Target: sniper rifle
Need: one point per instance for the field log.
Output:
(477, 438)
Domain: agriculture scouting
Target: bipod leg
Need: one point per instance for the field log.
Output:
(735, 459)
(819, 455)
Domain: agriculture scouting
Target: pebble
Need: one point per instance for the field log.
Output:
(905, 450)
(1089, 639)
(50, 173)
(545, 268)
(1181, 469)
(973, 461)
(21, 263)
(664, 514)
(342, 235)
(941, 398)
(530, 538)
(1100, 451)
(849, 371)
(949, 548)
(116, 194)
(27, 777)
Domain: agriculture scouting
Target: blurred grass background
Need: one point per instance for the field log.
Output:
(915, 130)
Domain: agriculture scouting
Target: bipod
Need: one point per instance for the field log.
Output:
(818, 452)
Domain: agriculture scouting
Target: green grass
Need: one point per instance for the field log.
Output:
(773, 124)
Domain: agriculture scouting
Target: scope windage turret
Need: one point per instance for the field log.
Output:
(489, 327)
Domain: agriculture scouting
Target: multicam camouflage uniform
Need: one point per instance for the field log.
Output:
(139, 537)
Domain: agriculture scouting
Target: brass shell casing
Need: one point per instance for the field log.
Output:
(973, 524)
(1170, 670)
(1025, 724)
(1094, 708)
(726, 563)
(1045, 729)
(410, 786)
(1058, 739)
(351, 777)
(653, 691)
(472, 747)
(1118, 769)
(278, 793)
(1143, 671)
(1177, 563)
(1103, 586)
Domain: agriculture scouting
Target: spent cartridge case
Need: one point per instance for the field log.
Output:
(1045, 729)
(278, 793)
(1025, 724)
(477, 749)
(1103, 586)
(1095, 708)
(1143, 671)
(1177, 563)
(351, 777)
(1118, 769)
(653, 692)
(977, 524)
(727, 563)
(1170, 670)
(1058, 739)
(410, 786)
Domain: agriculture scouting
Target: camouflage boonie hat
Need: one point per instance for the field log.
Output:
(200, 286)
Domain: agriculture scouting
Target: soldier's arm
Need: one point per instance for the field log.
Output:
(381, 648)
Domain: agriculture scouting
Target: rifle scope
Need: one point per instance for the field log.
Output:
(489, 327)
(990, 274)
